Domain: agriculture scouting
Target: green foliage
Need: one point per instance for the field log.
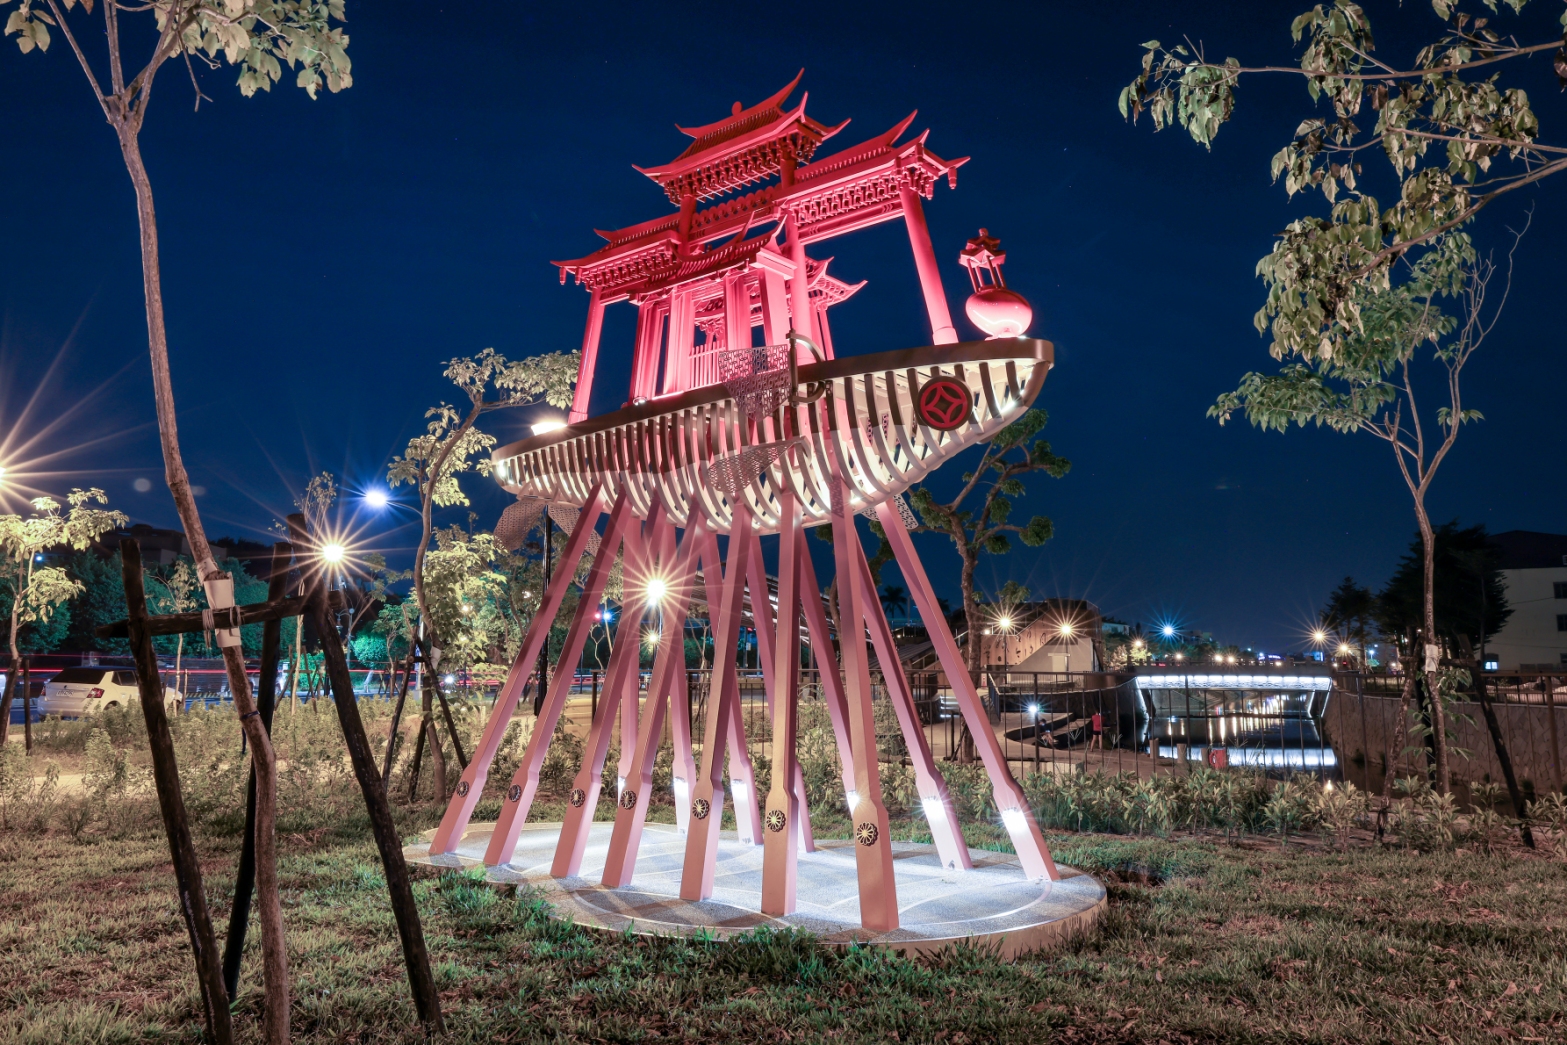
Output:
(35, 593)
(1439, 124)
(261, 38)
(432, 461)
(41, 636)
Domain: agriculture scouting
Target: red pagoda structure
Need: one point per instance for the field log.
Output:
(741, 422)
(702, 282)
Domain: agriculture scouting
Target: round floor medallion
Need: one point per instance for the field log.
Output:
(776, 819)
(514, 793)
(577, 797)
(628, 799)
(866, 833)
(700, 808)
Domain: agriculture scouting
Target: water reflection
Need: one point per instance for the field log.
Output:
(1271, 722)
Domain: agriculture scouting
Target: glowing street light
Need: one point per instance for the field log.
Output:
(1169, 631)
(1319, 636)
(545, 427)
(1067, 629)
(334, 552)
(376, 498)
(656, 590)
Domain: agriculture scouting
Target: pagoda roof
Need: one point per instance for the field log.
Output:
(746, 147)
(848, 190)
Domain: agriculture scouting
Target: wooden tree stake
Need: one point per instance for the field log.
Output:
(266, 697)
(420, 980)
(166, 777)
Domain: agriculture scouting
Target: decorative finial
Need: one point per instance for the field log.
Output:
(734, 110)
(993, 308)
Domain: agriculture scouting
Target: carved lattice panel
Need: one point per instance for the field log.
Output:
(757, 378)
(734, 472)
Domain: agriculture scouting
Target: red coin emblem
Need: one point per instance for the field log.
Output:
(944, 403)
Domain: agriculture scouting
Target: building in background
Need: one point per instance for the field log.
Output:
(1534, 569)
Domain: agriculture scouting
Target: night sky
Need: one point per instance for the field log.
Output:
(322, 260)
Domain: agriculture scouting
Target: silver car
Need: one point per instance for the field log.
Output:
(83, 692)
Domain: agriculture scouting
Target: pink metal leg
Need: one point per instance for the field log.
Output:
(934, 799)
(1016, 815)
(872, 832)
(762, 614)
(780, 859)
(620, 685)
(682, 764)
(696, 880)
(525, 781)
(620, 688)
(668, 677)
(471, 786)
(742, 778)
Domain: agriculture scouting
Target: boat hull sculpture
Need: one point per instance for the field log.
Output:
(726, 439)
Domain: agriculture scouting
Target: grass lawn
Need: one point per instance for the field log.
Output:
(1205, 940)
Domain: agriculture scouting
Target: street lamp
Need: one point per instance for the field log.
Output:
(376, 498)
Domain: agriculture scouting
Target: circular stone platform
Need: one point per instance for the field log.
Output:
(992, 905)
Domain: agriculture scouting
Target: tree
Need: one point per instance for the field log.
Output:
(893, 599)
(102, 600)
(1440, 122)
(181, 593)
(38, 591)
(1470, 596)
(315, 504)
(1350, 611)
(260, 38)
(1352, 296)
(451, 445)
(1012, 453)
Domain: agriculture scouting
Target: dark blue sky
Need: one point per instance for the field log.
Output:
(321, 261)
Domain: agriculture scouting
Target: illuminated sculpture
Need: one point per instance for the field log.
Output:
(724, 436)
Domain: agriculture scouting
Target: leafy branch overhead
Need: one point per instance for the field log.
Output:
(1441, 124)
(261, 38)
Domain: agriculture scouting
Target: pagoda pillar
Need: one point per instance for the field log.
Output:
(774, 271)
(799, 288)
(942, 331)
(590, 356)
(737, 312)
(682, 334)
(644, 364)
(826, 331)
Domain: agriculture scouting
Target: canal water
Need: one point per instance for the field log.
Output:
(1271, 722)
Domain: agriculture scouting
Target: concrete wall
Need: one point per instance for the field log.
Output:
(1525, 729)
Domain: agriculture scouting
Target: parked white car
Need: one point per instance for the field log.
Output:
(83, 692)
